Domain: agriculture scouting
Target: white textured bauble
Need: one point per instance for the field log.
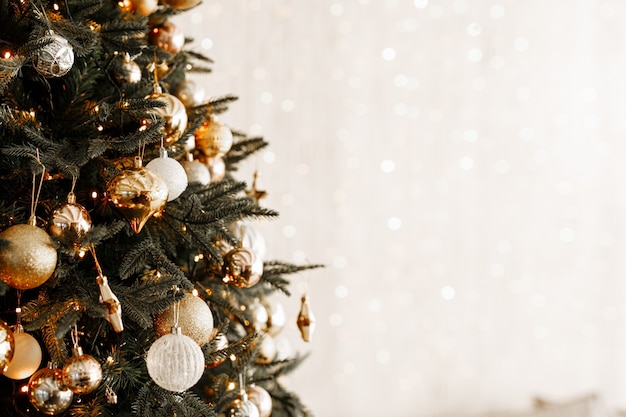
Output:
(170, 171)
(175, 362)
(56, 58)
(26, 358)
(197, 172)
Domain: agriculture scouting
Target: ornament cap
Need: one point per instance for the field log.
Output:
(71, 198)
(176, 330)
(137, 163)
(77, 351)
(32, 221)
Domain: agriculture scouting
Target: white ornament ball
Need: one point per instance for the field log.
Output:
(171, 172)
(56, 58)
(250, 238)
(197, 172)
(26, 358)
(175, 362)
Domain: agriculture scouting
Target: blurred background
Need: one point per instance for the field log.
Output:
(459, 166)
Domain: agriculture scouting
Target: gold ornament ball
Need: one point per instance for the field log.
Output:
(137, 193)
(7, 346)
(242, 268)
(47, 392)
(56, 58)
(213, 138)
(261, 398)
(29, 259)
(27, 357)
(277, 318)
(168, 37)
(173, 113)
(194, 318)
(70, 220)
(82, 373)
(143, 7)
(182, 4)
(128, 72)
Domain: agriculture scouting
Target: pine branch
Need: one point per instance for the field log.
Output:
(9, 68)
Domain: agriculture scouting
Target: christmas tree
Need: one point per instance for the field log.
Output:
(133, 280)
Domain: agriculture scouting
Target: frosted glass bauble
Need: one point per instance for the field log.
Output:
(171, 172)
(26, 358)
(175, 362)
(197, 172)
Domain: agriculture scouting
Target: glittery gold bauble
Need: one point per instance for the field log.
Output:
(56, 58)
(195, 319)
(168, 37)
(242, 268)
(213, 138)
(47, 392)
(7, 346)
(27, 357)
(173, 113)
(82, 373)
(70, 219)
(261, 398)
(182, 4)
(29, 259)
(138, 194)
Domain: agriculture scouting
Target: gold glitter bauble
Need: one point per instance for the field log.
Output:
(47, 392)
(137, 193)
(213, 138)
(242, 268)
(7, 346)
(29, 259)
(261, 398)
(168, 37)
(175, 115)
(195, 319)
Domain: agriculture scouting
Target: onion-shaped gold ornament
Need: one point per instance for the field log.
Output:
(137, 193)
(30, 257)
(174, 114)
(242, 268)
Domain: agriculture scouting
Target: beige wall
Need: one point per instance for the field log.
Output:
(460, 166)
